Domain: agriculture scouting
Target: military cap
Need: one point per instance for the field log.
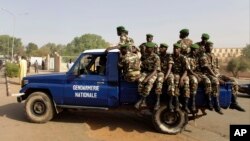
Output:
(177, 45)
(124, 46)
(120, 28)
(184, 31)
(195, 46)
(149, 35)
(150, 44)
(163, 45)
(205, 35)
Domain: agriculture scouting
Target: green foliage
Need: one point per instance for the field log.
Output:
(6, 45)
(86, 41)
(236, 65)
(31, 49)
(246, 52)
(12, 69)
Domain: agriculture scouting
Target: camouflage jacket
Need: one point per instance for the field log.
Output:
(185, 45)
(150, 63)
(129, 63)
(180, 64)
(193, 62)
(207, 60)
(165, 61)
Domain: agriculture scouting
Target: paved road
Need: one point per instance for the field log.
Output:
(108, 126)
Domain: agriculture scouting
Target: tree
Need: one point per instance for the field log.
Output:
(31, 48)
(86, 41)
(236, 65)
(246, 52)
(6, 45)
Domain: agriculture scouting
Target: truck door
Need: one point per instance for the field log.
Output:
(87, 84)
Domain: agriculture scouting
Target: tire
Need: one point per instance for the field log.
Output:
(39, 107)
(167, 122)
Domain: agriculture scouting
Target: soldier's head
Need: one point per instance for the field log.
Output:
(124, 49)
(149, 48)
(204, 37)
(209, 47)
(149, 37)
(194, 49)
(177, 48)
(184, 33)
(163, 48)
(142, 48)
(119, 30)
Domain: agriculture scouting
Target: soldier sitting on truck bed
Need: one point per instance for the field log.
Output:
(150, 66)
(129, 64)
(181, 80)
(165, 75)
(223, 79)
(207, 63)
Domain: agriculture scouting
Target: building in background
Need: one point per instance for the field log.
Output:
(225, 54)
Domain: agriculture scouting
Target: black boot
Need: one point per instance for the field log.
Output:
(185, 105)
(210, 105)
(234, 104)
(217, 105)
(170, 104)
(139, 103)
(177, 103)
(157, 105)
(193, 107)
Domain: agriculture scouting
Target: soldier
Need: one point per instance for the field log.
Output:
(165, 75)
(129, 63)
(223, 79)
(150, 66)
(149, 38)
(179, 70)
(185, 42)
(202, 43)
(207, 63)
(124, 39)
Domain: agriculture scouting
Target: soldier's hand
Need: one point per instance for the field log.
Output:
(181, 83)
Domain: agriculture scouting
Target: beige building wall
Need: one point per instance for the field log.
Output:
(225, 54)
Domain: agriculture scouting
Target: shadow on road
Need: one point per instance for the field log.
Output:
(13, 111)
(127, 121)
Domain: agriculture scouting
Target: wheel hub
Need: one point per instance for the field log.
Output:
(39, 108)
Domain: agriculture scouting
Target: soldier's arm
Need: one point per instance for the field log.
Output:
(169, 70)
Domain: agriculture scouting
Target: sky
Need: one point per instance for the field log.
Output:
(60, 21)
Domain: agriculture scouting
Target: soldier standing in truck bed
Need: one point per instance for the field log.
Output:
(185, 42)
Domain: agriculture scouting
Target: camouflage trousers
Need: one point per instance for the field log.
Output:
(215, 85)
(234, 83)
(193, 82)
(145, 88)
(159, 83)
(132, 76)
(186, 90)
(206, 83)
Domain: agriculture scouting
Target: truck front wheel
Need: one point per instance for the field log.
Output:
(169, 122)
(39, 107)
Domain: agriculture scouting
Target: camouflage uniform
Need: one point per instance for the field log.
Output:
(124, 39)
(208, 60)
(185, 45)
(179, 66)
(149, 64)
(130, 64)
(165, 61)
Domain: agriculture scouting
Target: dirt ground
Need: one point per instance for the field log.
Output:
(108, 126)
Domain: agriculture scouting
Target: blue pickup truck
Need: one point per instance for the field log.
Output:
(95, 82)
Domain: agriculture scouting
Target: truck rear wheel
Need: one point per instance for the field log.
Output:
(39, 107)
(169, 122)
